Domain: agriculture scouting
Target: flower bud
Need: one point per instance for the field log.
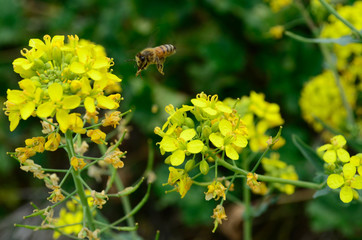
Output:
(206, 131)
(189, 165)
(57, 54)
(204, 167)
(215, 127)
(189, 122)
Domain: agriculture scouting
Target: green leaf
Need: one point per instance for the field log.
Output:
(308, 153)
(345, 40)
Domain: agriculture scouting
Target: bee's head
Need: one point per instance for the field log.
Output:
(141, 61)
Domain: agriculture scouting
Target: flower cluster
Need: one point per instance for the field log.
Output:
(277, 5)
(345, 172)
(67, 85)
(349, 57)
(277, 168)
(198, 132)
(59, 77)
(259, 116)
(321, 99)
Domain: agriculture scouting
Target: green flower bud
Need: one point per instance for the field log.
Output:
(168, 160)
(199, 129)
(204, 167)
(68, 58)
(189, 122)
(38, 63)
(206, 131)
(189, 165)
(215, 127)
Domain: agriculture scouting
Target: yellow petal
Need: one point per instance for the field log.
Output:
(197, 102)
(89, 105)
(343, 155)
(188, 134)
(55, 92)
(45, 110)
(195, 146)
(106, 103)
(27, 109)
(95, 75)
(357, 182)
(210, 111)
(63, 120)
(346, 194)
(100, 63)
(77, 68)
(222, 107)
(240, 141)
(349, 171)
(231, 152)
(330, 156)
(71, 102)
(168, 144)
(335, 181)
(177, 158)
(216, 139)
(225, 127)
(14, 119)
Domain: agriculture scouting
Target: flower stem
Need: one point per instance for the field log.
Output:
(78, 183)
(340, 18)
(247, 205)
(264, 178)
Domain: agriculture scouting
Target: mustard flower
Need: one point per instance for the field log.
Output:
(96, 136)
(99, 198)
(208, 106)
(348, 181)
(53, 142)
(227, 139)
(215, 190)
(180, 145)
(36, 143)
(320, 98)
(56, 195)
(277, 31)
(59, 77)
(277, 5)
(219, 214)
(277, 168)
(255, 186)
(71, 218)
(114, 157)
(180, 179)
(333, 151)
(77, 163)
(30, 166)
(112, 119)
(24, 153)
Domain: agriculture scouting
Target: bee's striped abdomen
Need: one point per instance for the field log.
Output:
(165, 50)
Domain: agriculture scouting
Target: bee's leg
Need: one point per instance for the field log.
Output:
(159, 63)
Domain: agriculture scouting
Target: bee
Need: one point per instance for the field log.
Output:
(156, 55)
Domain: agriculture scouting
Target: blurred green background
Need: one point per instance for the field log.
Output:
(224, 48)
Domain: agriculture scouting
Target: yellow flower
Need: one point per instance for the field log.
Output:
(99, 199)
(348, 182)
(332, 152)
(277, 31)
(219, 214)
(277, 5)
(114, 157)
(30, 166)
(97, 136)
(180, 145)
(60, 77)
(112, 119)
(53, 142)
(209, 106)
(23, 153)
(215, 190)
(56, 195)
(180, 179)
(255, 186)
(320, 98)
(36, 143)
(71, 217)
(77, 163)
(277, 168)
(228, 139)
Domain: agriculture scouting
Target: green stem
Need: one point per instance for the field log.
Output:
(78, 183)
(339, 17)
(247, 206)
(272, 179)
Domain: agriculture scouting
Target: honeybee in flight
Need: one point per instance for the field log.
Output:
(156, 55)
